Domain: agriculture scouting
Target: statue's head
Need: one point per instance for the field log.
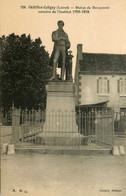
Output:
(60, 24)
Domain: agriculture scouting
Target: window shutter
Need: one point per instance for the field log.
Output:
(108, 86)
(118, 89)
(125, 86)
(97, 85)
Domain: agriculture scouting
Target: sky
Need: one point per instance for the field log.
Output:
(100, 31)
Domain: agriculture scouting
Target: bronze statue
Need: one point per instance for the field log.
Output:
(60, 50)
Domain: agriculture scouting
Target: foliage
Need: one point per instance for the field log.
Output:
(24, 71)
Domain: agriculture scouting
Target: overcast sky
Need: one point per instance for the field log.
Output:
(100, 31)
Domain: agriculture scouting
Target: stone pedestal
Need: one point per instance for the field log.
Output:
(60, 110)
(60, 95)
(60, 126)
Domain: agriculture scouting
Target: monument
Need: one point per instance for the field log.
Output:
(60, 50)
(60, 126)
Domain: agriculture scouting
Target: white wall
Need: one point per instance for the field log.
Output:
(88, 93)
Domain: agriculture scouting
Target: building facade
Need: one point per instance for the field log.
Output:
(100, 78)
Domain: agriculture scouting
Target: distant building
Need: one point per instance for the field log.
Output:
(100, 79)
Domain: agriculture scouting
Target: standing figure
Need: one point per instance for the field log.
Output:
(61, 45)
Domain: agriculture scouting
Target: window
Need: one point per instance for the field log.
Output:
(103, 86)
(122, 86)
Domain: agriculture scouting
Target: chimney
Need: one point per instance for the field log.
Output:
(79, 52)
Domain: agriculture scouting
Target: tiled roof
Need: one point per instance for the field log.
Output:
(94, 62)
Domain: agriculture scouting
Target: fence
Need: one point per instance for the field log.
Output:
(98, 124)
(120, 122)
(92, 127)
(6, 117)
(26, 124)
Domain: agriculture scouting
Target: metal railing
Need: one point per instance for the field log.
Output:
(5, 117)
(92, 127)
(120, 122)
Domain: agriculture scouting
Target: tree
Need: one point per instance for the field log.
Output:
(24, 71)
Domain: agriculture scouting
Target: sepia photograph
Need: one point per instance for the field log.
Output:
(62, 97)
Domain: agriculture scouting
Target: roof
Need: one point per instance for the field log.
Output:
(91, 106)
(94, 62)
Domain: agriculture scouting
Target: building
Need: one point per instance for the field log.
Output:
(100, 79)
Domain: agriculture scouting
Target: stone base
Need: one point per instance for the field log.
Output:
(60, 109)
(60, 121)
(60, 139)
(60, 128)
